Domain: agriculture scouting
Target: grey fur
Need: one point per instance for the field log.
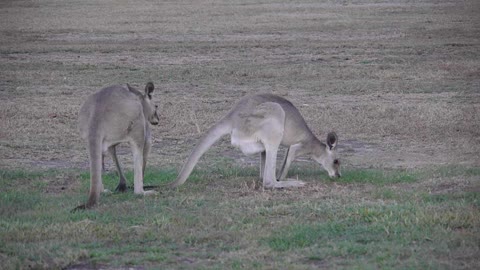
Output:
(113, 115)
(260, 124)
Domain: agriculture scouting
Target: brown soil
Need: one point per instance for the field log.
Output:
(398, 82)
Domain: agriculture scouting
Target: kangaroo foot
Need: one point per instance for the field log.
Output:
(122, 187)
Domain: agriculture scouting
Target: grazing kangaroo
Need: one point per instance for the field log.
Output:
(113, 115)
(260, 124)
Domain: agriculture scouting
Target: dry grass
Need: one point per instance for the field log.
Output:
(401, 77)
(406, 84)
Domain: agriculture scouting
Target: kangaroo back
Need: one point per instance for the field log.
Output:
(212, 135)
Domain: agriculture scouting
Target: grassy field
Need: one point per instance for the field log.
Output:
(399, 82)
(223, 220)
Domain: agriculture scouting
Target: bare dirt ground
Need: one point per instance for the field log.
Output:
(399, 81)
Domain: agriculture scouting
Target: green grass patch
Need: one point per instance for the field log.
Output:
(301, 236)
(377, 177)
(462, 197)
(392, 236)
(216, 221)
(451, 171)
(366, 176)
(15, 201)
(11, 175)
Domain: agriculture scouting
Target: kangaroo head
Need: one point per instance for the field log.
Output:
(149, 108)
(327, 155)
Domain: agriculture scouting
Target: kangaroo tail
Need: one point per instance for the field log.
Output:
(95, 151)
(212, 135)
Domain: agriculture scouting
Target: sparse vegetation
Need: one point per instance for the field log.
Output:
(228, 222)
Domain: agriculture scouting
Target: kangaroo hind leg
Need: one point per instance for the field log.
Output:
(146, 151)
(269, 178)
(122, 184)
(268, 121)
(263, 156)
(270, 131)
(289, 157)
(137, 150)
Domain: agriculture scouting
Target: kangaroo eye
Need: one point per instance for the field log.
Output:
(156, 107)
(336, 162)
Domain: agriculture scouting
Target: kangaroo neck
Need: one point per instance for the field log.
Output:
(311, 145)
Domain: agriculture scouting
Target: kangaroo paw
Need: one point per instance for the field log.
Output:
(121, 187)
(150, 192)
(81, 207)
(146, 193)
(150, 187)
(78, 208)
(289, 183)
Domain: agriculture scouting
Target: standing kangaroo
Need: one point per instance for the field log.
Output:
(260, 124)
(113, 115)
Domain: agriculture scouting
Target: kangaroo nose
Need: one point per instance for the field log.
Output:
(154, 122)
(335, 175)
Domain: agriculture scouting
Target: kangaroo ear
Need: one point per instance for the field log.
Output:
(149, 89)
(332, 140)
(133, 90)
